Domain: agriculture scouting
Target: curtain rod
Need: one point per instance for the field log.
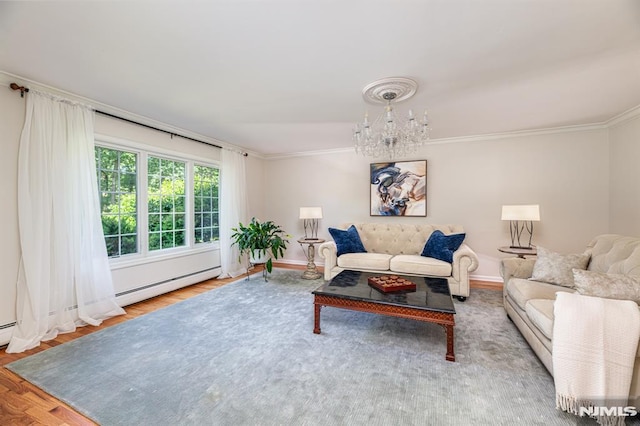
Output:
(23, 89)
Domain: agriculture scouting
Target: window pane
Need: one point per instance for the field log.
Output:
(167, 222)
(179, 238)
(179, 221)
(154, 241)
(179, 204)
(206, 181)
(166, 177)
(128, 225)
(112, 244)
(167, 240)
(154, 222)
(129, 244)
(154, 185)
(117, 185)
(153, 166)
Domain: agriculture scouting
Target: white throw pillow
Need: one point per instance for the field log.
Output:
(556, 268)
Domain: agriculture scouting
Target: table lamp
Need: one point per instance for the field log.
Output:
(521, 218)
(310, 216)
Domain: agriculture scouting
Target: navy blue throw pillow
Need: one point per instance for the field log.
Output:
(347, 241)
(441, 247)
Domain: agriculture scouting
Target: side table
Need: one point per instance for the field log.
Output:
(311, 273)
(520, 252)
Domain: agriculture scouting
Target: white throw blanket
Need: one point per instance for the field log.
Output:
(594, 349)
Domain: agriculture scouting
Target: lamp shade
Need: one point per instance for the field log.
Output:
(529, 212)
(310, 212)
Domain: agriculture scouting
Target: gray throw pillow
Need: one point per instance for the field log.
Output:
(556, 268)
(608, 286)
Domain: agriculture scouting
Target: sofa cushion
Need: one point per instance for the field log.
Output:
(608, 286)
(412, 264)
(347, 241)
(540, 313)
(373, 261)
(440, 246)
(556, 268)
(522, 290)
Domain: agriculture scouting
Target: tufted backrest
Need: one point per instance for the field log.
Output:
(615, 254)
(398, 238)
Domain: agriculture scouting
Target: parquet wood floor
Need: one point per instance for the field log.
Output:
(22, 403)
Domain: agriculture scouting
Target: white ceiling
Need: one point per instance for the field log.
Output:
(277, 76)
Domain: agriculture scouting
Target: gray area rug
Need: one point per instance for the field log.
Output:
(245, 354)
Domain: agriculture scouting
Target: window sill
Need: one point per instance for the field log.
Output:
(135, 260)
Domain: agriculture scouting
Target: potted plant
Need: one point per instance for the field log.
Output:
(262, 241)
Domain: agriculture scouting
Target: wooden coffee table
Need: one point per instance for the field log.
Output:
(430, 302)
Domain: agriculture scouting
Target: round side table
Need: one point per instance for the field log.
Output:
(311, 273)
(520, 252)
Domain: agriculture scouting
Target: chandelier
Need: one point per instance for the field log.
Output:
(389, 135)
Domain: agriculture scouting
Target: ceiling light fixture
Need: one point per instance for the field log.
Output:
(388, 135)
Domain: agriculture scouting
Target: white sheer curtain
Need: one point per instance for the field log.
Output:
(233, 203)
(64, 278)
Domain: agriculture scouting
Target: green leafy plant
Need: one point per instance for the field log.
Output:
(260, 238)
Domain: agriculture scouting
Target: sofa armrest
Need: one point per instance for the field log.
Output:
(329, 252)
(516, 267)
(465, 260)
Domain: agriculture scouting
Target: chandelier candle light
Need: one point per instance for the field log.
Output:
(310, 216)
(521, 218)
(388, 135)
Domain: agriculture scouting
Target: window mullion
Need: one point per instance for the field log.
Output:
(143, 205)
(188, 210)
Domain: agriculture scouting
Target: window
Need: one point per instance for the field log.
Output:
(205, 198)
(161, 205)
(117, 185)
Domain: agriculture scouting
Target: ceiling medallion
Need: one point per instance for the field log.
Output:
(389, 135)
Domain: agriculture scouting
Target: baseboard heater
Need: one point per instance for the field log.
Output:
(11, 324)
(148, 286)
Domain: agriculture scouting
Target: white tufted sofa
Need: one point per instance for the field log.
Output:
(530, 303)
(395, 249)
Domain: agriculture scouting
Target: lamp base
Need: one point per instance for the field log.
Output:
(522, 248)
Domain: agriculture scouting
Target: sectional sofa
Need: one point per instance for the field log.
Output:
(608, 268)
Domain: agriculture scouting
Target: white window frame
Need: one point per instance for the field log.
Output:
(143, 151)
(192, 195)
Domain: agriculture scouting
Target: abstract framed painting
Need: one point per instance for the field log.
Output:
(399, 188)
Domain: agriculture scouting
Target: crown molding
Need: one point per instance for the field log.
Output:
(629, 114)
(457, 139)
(282, 156)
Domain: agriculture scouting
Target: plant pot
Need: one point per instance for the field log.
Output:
(257, 256)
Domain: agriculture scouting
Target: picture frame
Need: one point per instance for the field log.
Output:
(398, 188)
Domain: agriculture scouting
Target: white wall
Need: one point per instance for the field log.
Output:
(11, 121)
(624, 140)
(566, 172)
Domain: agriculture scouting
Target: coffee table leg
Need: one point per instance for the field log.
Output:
(316, 319)
(450, 353)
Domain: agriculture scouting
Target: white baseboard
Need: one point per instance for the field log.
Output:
(489, 278)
